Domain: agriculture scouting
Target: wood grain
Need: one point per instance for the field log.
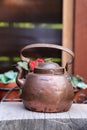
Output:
(15, 116)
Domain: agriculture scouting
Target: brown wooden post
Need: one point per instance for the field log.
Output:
(67, 40)
(80, 36)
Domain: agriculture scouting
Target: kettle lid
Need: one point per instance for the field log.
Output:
(49, 68)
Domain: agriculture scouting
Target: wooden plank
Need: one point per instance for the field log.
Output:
(15, 116)
(31, 10)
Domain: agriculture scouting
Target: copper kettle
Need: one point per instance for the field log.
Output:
(48, 88)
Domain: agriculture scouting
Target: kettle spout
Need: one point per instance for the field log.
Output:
(19, 79)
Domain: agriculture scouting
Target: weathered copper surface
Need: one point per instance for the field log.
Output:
(47, 89)
(50, 93)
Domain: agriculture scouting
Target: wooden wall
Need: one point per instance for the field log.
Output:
(31, 10)
(80, 38)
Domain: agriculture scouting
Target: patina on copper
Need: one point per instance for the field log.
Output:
(48, 88)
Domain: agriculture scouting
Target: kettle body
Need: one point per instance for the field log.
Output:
(47, 93)
(47, 89)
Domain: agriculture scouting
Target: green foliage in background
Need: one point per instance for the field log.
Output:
(31, 25)
(4, 24)
(4, 58)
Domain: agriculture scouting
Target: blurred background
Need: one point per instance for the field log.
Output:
(24, 22)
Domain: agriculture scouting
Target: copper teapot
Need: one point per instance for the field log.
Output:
(48, 88)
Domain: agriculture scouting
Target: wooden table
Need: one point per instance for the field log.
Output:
(13, 116)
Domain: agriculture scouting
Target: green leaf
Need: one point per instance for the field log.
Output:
(23, 65)
(74, 81)
(10, 74)
(53, 59)
(82, 85)
(8, 77)
(77, 81)
(2, 78)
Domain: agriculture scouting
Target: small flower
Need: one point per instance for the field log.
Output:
(39, 60)
(33, 63)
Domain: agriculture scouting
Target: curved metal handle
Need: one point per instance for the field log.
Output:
(47, 45)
